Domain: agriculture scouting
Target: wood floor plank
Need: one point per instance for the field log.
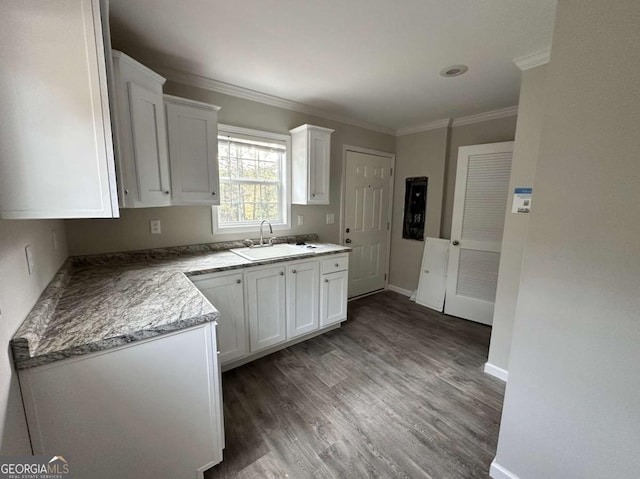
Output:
(397, 391)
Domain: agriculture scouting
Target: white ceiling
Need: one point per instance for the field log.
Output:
(374, 61)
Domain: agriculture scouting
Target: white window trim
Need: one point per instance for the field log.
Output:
(286, 184)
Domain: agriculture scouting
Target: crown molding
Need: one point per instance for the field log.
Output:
(264, 98)
(433, 125)
(489, 115)
(534, 59)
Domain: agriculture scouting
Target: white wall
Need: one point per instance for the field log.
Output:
(572, 407)
(18, 293)
(183, 225)
(523, 170)
(418, 154)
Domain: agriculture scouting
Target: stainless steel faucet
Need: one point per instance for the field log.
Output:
(270, 230)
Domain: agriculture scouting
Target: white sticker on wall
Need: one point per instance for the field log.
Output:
(522, 200)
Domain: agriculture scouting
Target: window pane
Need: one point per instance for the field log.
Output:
(251, 182)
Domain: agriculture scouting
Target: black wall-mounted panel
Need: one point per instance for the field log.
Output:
(415, 208)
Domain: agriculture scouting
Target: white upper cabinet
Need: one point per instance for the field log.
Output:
(140, 139)
(56, 154)
(310, 161)
(192, 129)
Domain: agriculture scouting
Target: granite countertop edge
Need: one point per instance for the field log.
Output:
(112, 342)
(33, 330)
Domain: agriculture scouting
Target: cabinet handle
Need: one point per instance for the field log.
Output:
(213, 193)
(281, 273)
(337, 265)
(326, 280)
(293, 271)
(126, 192)
(167, 192)
(238, 281)
(313, 195)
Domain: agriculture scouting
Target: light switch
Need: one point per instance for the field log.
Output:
(29, 253)
(300, 220)
(331, 218)
(154, 226)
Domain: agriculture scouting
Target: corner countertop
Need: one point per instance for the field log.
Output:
(100, 302)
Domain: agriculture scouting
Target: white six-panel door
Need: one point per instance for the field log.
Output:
(480, 200)
(367, 192)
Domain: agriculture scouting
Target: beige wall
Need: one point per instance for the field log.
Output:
(418, 154)
(18, 293)
(492, 131)
(523, 170)
(571, 407)
(192, 224)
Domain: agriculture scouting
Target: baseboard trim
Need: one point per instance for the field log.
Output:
(495, 371)
(496, 471)
(402, 291)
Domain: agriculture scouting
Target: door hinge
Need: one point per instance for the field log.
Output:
(391, 172)
(385, 276)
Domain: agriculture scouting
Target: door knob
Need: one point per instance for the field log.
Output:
(347, 241)
(281, 273)
(238, 281)
(293, 271)
(456, 242)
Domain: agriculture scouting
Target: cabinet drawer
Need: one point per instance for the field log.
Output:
(335, 263)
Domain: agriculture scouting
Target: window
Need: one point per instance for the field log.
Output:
(253, 180)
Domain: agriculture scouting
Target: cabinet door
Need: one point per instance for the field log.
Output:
(267, 315)
(149, 146)
(226, 294)
(56, 145)
(319, 156)
(302, 298)
(193, 152)
(333, 298)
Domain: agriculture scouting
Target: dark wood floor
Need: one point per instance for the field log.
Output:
(398, 391)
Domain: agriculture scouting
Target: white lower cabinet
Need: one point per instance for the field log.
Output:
(302, 298)
(266, 307)
(152, 408)
(226, 292)
(333, 298)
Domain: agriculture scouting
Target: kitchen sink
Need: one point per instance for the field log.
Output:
(281, 250)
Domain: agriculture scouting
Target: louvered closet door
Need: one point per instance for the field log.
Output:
(480, 203)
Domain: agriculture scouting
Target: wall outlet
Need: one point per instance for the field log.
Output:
(154, 227)
(29, 253)
(331, 218)
(54, 238)
(300, 220)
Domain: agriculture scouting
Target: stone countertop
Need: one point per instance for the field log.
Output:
(104, 301)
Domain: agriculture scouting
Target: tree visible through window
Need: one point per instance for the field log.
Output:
(251, 179)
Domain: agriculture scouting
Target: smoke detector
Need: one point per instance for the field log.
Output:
(454, 70)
